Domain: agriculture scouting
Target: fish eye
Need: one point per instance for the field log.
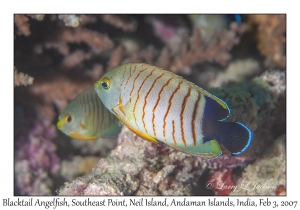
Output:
(105, 83)
(69, 118)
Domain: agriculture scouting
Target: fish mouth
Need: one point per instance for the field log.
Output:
(60, 125)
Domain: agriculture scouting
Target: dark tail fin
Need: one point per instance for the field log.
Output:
(235, 136)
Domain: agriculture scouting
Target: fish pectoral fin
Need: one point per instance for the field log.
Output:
(118, 110)
(127, 113)
(133, 106)
(143, 135)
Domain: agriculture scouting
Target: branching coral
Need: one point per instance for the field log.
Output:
(22, 79)
(195, 49)
(56, 91)
(120, 22)
(22, 24)
(271, 35)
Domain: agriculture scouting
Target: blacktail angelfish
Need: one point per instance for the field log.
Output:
(86, 118)
(158, 105)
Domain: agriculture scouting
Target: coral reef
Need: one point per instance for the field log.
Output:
(260, 104)
(138, 167)
(271, 32)
(22, 24)
(66, 54)
(120, 21)
(71, 169)
(266, 176)
(22, 79)
(36, 160)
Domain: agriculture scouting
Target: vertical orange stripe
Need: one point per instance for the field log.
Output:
(135, 81)
(89, 101)
(153, 112)
(182, 115)
(102, 117)
(93, 113)
(138, 99)
(169, 106)
(86, 110)
(194, 118)
(173, 132)
(128, 78)
(99, 118)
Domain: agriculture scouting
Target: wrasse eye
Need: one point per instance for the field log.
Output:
(69, 118)
(105, 83)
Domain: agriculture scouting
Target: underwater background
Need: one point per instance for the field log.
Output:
(239, 58)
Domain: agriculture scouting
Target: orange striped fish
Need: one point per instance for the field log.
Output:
(86, 118)
(158, 105)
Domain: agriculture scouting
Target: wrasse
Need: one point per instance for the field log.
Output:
(86, 118)
(158, 105)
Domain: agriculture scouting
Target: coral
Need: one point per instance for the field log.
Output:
(70, 20)
(237, 71)
(56, 90)
(38, 17)
(271, 35)
(268, 175)
(194, 50)
(22, 79)
(22, 24)
(99, 146)
(137, 167)
(36, 159)
(78, 166)
(222, 181)
(119, 22)
(260, 104)
(96, 41)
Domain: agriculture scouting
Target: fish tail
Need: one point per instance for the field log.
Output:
(235, 136)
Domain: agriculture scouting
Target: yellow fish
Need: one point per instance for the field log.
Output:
(158, 105)
(86, 118)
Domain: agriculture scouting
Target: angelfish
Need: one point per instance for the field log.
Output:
(158, 105)
(86, 118)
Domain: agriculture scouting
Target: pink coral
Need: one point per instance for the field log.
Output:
(36, 158)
